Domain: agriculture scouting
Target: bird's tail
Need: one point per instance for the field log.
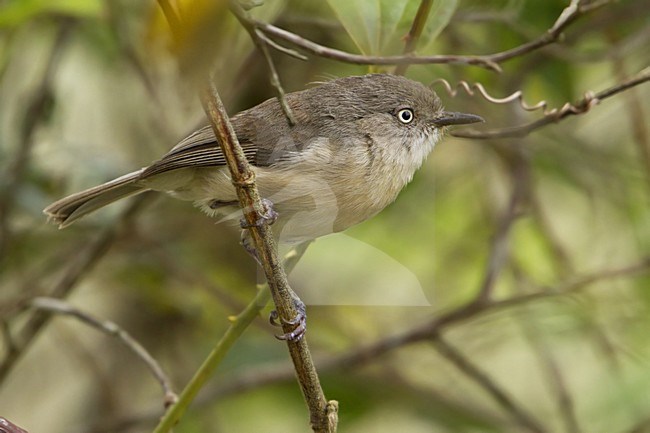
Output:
(71, 208)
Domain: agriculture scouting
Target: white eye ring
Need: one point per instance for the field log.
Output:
(405, 115)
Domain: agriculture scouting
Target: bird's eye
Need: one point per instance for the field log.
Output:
(405, 115)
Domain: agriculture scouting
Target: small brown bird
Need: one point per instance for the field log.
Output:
(357, 141)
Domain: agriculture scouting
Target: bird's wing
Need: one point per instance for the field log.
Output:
(263, 133)
(200, 149)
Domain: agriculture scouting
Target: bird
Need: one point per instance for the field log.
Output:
(357, 141)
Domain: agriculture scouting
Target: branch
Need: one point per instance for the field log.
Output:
(624, 45)
(363, 355)
(556, 115)
(552, 35)
(414, 34)
(7, 426)
(638, 125)
(260, 42)
(322, 413)
(491, 61)
(358, 59)
(56, 306)
(244, 180)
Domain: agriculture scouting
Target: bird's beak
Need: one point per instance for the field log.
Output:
(453, 118)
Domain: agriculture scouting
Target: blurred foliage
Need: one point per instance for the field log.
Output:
(90, 90)
(15, 13)
(378, 27)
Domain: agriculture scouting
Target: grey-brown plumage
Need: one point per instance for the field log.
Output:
(356, 143)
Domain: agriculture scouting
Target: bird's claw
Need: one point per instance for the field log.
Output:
(299, 322)
(268, 216)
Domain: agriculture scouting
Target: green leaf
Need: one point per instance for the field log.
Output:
(16, 12)
(439, 17)
(378, 27)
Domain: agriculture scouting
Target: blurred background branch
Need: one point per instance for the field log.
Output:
(77, 267)
(35, 110)
(56, 306)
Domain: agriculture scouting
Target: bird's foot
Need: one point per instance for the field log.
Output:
(268, 216)
(298, 323)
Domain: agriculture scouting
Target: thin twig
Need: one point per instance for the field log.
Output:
(281, 48)
(358, 59)
(260, 42)
(413, 36)
(244, 180)
(471, 90)
(564, 267)
(483, 380)
(556, 115)
(552, 35)
(562, 258)
(490, 61)
(57, 306)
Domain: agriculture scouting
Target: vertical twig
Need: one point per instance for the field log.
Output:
(244, 180)
(260, 42)
(322, 412)
(411, 39)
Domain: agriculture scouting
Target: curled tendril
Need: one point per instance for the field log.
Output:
(582, 106)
